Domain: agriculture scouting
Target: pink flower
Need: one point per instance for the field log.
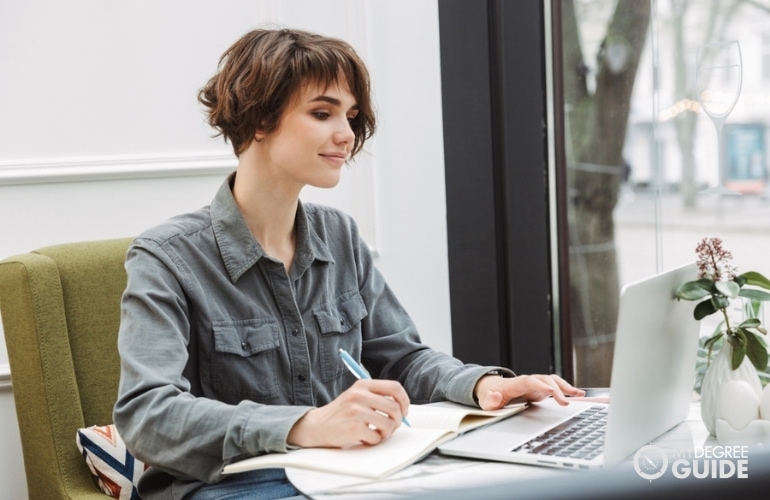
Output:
(713, 260)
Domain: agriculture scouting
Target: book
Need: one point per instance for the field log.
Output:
(431, 425)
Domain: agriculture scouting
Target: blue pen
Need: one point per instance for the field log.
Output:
(359, 372)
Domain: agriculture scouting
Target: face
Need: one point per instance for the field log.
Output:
(313, 138)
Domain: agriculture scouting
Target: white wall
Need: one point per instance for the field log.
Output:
(101, 135)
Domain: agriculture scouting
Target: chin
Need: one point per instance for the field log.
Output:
(327, 183)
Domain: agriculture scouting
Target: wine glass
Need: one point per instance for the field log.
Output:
(718, 78)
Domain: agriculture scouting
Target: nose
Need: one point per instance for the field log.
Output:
(344, 134)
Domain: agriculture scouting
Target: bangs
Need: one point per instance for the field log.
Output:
(325, 67)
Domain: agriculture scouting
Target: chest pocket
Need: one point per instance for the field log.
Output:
(244, 361)
(339, 327)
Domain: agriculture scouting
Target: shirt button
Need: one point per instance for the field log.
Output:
(245, 346)
(342, 321)
(302, 377)
(295, 332)
(307, 256)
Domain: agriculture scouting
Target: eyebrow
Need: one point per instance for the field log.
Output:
(331, 100)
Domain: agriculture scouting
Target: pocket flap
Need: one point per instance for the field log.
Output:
(342, 315)
(247, 337)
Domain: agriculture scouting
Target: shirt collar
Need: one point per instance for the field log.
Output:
(238, 247)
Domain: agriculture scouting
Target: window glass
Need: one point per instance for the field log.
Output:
(648, 171)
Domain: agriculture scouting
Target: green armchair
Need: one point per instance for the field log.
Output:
(60, 307)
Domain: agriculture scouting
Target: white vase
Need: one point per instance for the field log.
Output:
(720, 371)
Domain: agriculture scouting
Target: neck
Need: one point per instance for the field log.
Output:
(269, 210)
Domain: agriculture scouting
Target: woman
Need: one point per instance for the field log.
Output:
(234, 314)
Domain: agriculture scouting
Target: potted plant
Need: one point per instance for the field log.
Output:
(744, 350)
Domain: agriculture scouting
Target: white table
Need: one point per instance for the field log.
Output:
(438, 473)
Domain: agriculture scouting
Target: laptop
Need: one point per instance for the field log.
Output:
(653, 374)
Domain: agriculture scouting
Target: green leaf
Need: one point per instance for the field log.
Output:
(758, 338)
(720, 301)
(740, 280)
(739, 352)
(756, 351)
(703, 309)
(693, 290)
(759, 295)
(713, 339)
(756, 279)
(728, 288)
(750, 323)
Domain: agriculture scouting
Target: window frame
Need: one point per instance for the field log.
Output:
(498, 186)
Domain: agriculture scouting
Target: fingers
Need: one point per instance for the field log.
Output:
(389, 389)
(564, 389)
(556, 391)
(376, 408)
(555, 386)
(368, 412)
(567, 388)
(378, 427)
(495, 392)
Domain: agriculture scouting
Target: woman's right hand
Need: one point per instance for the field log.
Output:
(368, 412)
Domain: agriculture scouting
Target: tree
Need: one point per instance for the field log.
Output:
(597, 124)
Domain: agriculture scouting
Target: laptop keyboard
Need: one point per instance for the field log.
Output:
(580, 437)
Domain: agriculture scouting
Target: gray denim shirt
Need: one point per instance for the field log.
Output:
(222, 351)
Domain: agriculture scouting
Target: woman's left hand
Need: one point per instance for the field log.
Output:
(494, 392)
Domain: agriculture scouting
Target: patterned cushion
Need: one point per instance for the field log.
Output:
(115, 470)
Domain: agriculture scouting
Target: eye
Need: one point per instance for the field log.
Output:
(320, 115)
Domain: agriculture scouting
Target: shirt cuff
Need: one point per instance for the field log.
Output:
(258, 429)
(462, 386)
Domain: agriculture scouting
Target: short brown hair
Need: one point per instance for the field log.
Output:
(261, 72)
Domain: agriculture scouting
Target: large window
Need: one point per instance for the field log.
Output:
(646, 171)
(580, 158)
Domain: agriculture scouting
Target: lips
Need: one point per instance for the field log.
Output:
(335, 157)
(341, 155)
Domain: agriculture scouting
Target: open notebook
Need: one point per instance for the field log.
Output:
(431, 425)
